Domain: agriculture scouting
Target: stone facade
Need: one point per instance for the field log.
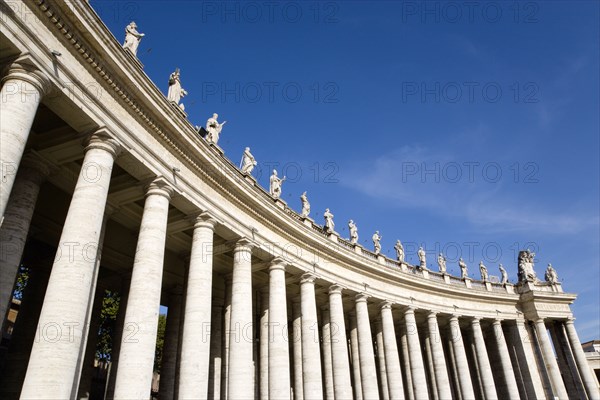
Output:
(106, 184)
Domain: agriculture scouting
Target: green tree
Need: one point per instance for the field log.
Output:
(160, 342)
(108, 315)
(21, 283)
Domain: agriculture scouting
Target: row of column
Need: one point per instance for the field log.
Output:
(69, 298)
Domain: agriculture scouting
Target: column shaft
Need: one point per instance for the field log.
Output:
(327, 354)
(355, 355)
(136, 358)
(216, 352)
(297, 347)
(416, 359)
(311, 354)
(15, 227)
(392, 359)
(279, 356)
(264, 345)
(73, 273)
(339, 345)
(485, 369)
(589, 381)
(405, 361)
(527, 360)
(195, 340)
(439, 360)
(20, 96)
(558, 386)
(168, 372)
(380, 352)
(368, 371)
(507, 368)
(241, 380)
(460, 355)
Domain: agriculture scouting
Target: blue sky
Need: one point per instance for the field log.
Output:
(471, 128)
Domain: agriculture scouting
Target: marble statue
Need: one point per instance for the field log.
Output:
(484, 272)
(464, 273)
(329, 224)
(248, 162)
(526, 264)
(275, 185)
(504, 274)
(353, 232)
(132, 38)
(399, 251)
(377, 242)
(176, 92)
(213, 127)
(442, 262)
(305, 205)
(422, 258)
(551, 276)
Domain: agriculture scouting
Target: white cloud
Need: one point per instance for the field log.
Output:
(416, 177)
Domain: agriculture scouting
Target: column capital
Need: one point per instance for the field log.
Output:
(476, 321)
(103, 139)
(497, 321)
(409, 310)
(278, 263)
(243, 244)
(454, 318)
(24, 70)
(204, 219)
(385, 305)
(570, 320)
(308, 277)
(432, 315)
(335, 289)
(161, 187)
(361, 297)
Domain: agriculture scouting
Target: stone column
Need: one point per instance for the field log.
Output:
(72, 274)
(589, 381)
(22, 90)
(136, 358)
(405, 361)
(380, 353)
(264, 344)
(24, 332)
(216, 351)
(226, 328)
(485, 369)
(297, 347)
(17, 218)
(355, 355)
(433, 390)
(392, 359)
(279, 356)
(558, 386)
(416, 359)
(195, 340)
(240, 380)
(311, 354)
(462, 366)
(507, 368)
(168, 372)
(339, 345)
(439, 360)
(368, 372)
(87, 365)
(527, 359)
(327, 356)
(117, 338)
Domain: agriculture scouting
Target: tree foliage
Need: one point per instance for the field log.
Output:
(108, 315)
(160, 342)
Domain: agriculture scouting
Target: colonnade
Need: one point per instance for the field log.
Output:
(344, 344)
